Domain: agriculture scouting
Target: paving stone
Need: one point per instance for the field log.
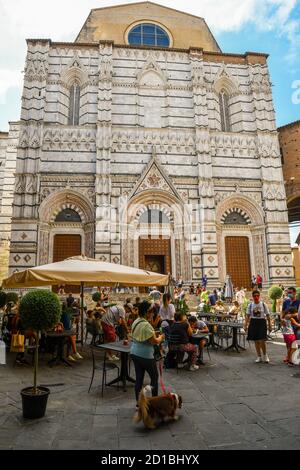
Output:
(219, 434)
(138, 443)
(201, 418)
(252, 432)
(189, 441)
(238, 413)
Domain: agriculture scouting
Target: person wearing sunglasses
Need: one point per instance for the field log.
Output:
(257, 317)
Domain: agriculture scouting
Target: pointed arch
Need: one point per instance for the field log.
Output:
(60, 200)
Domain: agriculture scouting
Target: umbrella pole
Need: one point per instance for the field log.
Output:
(81, 312)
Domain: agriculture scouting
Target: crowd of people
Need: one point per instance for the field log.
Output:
(153, 323)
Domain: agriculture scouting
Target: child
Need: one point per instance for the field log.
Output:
(288, 334)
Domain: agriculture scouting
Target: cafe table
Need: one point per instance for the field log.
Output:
(58, 339)
(235, 326)
(124, 350)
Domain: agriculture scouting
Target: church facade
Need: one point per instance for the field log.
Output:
(142, 143)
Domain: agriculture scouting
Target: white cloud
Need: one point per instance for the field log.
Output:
(9, 79)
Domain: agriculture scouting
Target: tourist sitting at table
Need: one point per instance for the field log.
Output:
(167, 309)
(219, 307)
(142, 350)
(66, 320)
(234, 309)
(181, 330)
(199, 326)
(113, 317)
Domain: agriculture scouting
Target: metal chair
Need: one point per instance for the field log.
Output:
(90, 329)
(104, 367)
(174, 348)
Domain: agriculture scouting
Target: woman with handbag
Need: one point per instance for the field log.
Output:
(18, 338)
(144, 340)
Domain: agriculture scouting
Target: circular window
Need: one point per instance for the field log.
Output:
(147, 34)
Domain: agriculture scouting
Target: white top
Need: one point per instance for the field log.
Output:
(287, 328)
(167, 313)
(258, 311)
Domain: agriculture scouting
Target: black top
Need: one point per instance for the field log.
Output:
(179, 333)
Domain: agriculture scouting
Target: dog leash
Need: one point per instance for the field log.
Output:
(162, 385)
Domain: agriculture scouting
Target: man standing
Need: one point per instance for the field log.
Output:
(291, 300)
(256, 324)
(204, 281)
(259, 281)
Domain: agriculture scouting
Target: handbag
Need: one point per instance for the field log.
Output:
(17, 343)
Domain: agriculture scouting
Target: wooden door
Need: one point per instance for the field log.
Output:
(156, 251)
(65, 246)
(238, 261)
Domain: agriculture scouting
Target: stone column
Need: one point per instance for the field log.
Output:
(26, 197)
(103, 155)
(275, 208)
(204, 242)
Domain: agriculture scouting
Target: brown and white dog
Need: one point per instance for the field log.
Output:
(152, 408)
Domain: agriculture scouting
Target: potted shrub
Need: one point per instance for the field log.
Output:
(39, 310)
(96, 296)
(275, 293)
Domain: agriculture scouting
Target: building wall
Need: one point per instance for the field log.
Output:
(149, 136)
(289, 140)
(112, 23)
(8, 156)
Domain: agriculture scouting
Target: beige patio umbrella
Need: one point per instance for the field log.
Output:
(79, 269)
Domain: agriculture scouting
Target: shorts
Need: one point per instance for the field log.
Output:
(289, 339)
(109, 333)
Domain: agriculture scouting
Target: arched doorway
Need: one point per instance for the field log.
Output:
(66, 245)
(154, 246)
(155, 234)
(241, 241)
(66, 227)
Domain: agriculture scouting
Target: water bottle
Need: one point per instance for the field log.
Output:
(2, 352)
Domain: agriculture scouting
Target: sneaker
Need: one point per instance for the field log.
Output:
(113, 358)
(194, 367)
(78, 356)
(266, 359)
(290, 364)
(258, 359)
(71, 358)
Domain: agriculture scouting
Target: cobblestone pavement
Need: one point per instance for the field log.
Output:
(230, 403)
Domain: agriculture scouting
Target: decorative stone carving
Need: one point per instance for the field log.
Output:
(69, 139)
(30, 136)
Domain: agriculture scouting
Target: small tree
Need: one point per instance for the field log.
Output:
(96, 296)
(12, 297)
(275, 293)
(3, 297)
(39, 310)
